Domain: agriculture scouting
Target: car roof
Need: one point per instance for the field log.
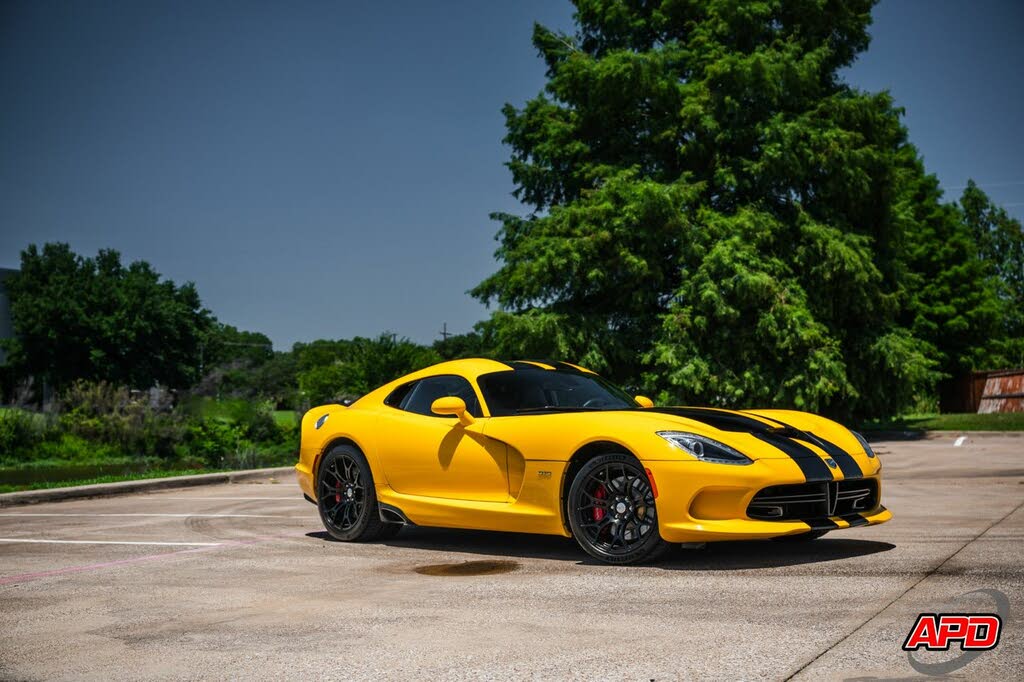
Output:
(472, 368)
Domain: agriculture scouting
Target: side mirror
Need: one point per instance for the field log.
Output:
(452, 405)
(644, 401)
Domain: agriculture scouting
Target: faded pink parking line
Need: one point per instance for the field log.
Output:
(39, 575)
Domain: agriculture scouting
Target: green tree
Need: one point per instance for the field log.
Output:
(456, 346)
(332, 370)
(328, 384)
(243, 364)
(227, 344)
(715, 210)
(95, 319)
(1000, 243)
(953, 304)
(274, 379)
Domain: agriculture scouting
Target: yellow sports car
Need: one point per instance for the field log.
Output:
(549, 447)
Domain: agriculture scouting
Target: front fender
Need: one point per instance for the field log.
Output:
(344, 425)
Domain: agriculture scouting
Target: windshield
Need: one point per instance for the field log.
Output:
(542, 390)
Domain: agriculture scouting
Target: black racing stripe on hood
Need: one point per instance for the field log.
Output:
(847, 464)
(812, 466)
(781, 437)
(723, 421)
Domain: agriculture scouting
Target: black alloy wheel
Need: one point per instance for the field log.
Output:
(346, 497)
(612, 512)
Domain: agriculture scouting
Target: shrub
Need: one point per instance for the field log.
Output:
(101, 421)
(139, 424)
(212, 440)
(259, 425)
(254, 419)
(20, 432)
(71, 448)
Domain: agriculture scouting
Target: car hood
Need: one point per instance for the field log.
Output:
(759, 434)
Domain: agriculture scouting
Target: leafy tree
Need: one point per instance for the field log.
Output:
(953, 304)
(274, 380)
(1000, 242)
(470, 345)
(327, 383)
(225, 344)
(715, 210)
(95, 319)
(322, 352)
(331, 370)
(243, 364)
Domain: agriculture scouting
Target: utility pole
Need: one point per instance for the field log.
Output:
(444, 332)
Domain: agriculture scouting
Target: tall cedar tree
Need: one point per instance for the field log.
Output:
(718, 217)
(1000, 242)
(95, 319)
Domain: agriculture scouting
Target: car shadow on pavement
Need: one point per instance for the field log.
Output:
(731, 556)
(719, 556)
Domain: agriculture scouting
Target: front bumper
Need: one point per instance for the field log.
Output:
(705, 502)
(305, 479)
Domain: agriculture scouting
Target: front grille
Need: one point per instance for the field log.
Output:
(814, 500)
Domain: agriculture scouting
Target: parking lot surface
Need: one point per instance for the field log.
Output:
(234, 581)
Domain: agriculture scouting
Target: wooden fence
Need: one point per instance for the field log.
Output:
(1004, 392)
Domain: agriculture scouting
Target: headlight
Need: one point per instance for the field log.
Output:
(705, 449)
(864, 444)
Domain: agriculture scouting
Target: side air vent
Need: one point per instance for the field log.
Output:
(389, 514)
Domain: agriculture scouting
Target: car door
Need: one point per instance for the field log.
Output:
(435, 456)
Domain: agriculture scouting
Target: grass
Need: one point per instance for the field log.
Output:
(38, 417)
(285, 417)
(1002, 421)
(231, 410)
(212, 408)
(43, 485)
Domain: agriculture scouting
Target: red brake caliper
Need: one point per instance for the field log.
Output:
(600, 494)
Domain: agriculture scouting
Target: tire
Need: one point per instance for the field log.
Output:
(347, 499)
(801, 537)
(612, 513)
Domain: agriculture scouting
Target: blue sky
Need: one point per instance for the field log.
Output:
(324, 170)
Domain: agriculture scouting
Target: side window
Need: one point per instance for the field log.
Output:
(422, 394)
(396, 396)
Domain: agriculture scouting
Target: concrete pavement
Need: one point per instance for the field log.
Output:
(238, 580)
